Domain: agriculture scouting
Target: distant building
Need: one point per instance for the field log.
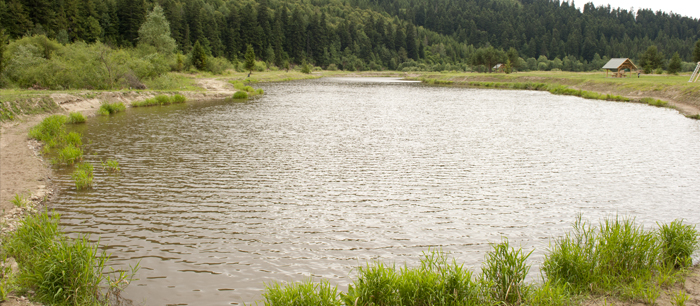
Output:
(619, 66)
(499, 68)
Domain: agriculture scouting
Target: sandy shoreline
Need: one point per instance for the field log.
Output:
(24, 171)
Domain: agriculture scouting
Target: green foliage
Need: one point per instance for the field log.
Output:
(50, 131)
(436, 281)
(651, 59)
(76, 117)
(3, 46)
(616, 254)
(20, 200)
(82, 176)
(549, 294)
(488, 57)
(678, 243)
(69, 154)
(111, 108)
(199, 56)
(696, 52)
(675, 65)
(156, 32)
(303, 293)
(679, 298)
(249, 58)
(111, 165)
(305, 68)
(61, 270)
(654, 102)
(240, 95)
(504, 273)
(160, 100)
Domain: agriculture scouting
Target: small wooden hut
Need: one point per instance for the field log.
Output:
(619, 66)
(499, 68)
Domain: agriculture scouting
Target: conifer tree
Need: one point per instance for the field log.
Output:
(3, 38)
(156, 32)
(249, 59)
(696, 52)
(675, 65)
(199, 56)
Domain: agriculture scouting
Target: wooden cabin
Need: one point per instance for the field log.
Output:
(499, 68)
(618, 67)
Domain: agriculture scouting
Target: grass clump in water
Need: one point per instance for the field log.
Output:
(160, 100)
(83, 176)
(240, 95)
(50, 131)
(111, 108)
(76, 117)
(69, 155)
(61, 270)
(111, 165)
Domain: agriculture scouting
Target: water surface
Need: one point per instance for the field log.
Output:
(317, 177)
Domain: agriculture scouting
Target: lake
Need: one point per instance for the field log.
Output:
(317, 177)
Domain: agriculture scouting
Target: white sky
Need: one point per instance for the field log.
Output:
(690, 8)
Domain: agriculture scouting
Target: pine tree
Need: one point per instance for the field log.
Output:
(250, 58)
(156, 32)
(3, 38)
(696, 52)
(675, 65)
(199, 56)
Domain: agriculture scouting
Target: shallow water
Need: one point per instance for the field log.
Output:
(317, 177)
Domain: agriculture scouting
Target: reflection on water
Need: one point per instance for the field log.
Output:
(317, 177)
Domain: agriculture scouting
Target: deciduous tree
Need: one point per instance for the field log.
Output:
(156, 32)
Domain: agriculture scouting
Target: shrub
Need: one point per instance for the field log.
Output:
(76, 117)
(83, 176)
(678, 242)
(303, 293)
(162, 99)
(240, 95)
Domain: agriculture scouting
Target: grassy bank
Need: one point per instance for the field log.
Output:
(672, 91)
(617, 258)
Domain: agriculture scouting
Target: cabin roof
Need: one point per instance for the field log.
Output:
(616, 63)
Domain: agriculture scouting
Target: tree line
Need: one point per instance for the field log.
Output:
(370, 34)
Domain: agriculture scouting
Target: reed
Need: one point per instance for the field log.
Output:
(504, 273)
(678, 243)
(69, 155)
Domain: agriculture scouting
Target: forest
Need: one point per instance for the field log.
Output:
(424, 35)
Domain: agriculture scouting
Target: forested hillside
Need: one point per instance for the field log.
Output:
(371, 34)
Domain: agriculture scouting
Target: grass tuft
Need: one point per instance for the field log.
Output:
(69, 155)
(160, 100)
(111, 165)
(76, 117)
(504, 273)
(61, 270)
(240, 95)
(301, 293)
(654, 102)
(678, 242)
(20, 200)
(111, 108)
(83, 176)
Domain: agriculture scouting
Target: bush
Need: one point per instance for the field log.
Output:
(240, 95)
(76, 117)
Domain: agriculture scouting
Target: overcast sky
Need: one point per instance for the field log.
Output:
(690, 8)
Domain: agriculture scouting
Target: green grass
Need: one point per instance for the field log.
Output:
(240, 95)
(654, 102)
(617, 258)
(20, 200)
(76, 117)
(82, 176)
(61, 270)
(160, 100)
(111, 165)
(50, 130)
(111, 108)
(69, 155)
